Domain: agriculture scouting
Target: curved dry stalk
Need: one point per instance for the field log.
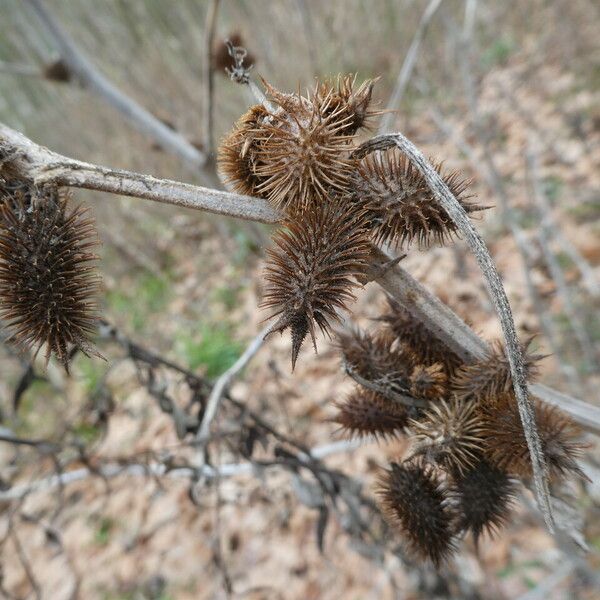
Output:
(496, 290)
(490, 175)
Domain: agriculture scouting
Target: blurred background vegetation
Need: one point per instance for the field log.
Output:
(187, 284)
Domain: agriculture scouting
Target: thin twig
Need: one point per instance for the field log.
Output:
(385, 390)
(89, 77)
(407, 67)
(545, 236)
(309, 34)
(224, 381)
(112, 470)
(496, 290)
(209, 77)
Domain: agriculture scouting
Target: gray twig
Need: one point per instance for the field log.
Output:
(407, 66)
(224, 381)
(111, 470)
(209, 76)
(545, 236)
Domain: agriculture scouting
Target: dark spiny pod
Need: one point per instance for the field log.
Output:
(339, 97)
(373, 358)
(449, 434)
(48, 281)
(311, 270)
(490, 377)
(506, 446)
(414, 336)
(58, 71)
(399, 204)
(415, 503)
(484, 494)
(365, 412)
(429, 382)
(236, 159)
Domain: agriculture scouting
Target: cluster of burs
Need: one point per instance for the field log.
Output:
(467, 449)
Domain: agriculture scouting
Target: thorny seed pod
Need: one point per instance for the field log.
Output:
(429, 382)
(449, 434)
(506, 446)
(490, 377)
(399, 204)
(340, 97)
(311, 268)
(48, 281)
(301, 154)
(58, 71)
(365, 412)
(236, 158)
(414, 336)
(414, 501)
(484, 495)
(373, 358)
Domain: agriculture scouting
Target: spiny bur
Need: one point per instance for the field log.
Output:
(237, 153)
(302, 155)
(506, 445)
(449, 434)
(429, 382)
(311, 270)
(484, 494)
(365, 412)
(296, 152)
(414, 501)
(490, 377)
(414, 336)
(400, 205)
(352, 105)
(48, 281)
(373, 358)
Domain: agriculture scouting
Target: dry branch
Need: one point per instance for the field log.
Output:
(224, 381)
(43, 166)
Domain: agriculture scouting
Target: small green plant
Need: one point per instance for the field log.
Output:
(105, 527)
(214, 348)
(86, 432)
(498, 52)
(149, 296)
